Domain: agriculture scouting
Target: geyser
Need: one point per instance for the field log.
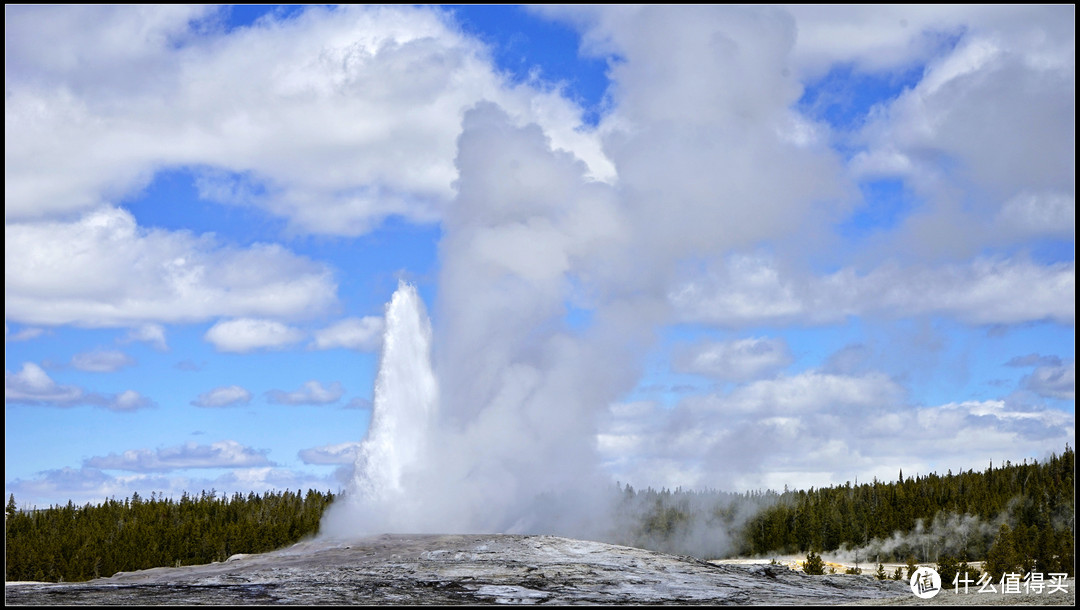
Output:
(377, 499)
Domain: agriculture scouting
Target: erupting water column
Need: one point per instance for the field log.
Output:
(377, 499)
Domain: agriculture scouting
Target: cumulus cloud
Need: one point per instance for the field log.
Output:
(33, 386)
(747, 290)
(101, 361)
(805, 393)
(739, 360)
(129, 400)
(833, 429)
(152, 102)
(225, 396)
(364, 334)
(1052, 377)
(1047, 214)
(1017, 76)
(154, 334)
(248, 334)
(223, 454)
(313, 393)
(103, 270)
(1053, 380)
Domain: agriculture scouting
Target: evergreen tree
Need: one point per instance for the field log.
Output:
(911, 566)
(1003, 557)
(948, 567)
(814, 564)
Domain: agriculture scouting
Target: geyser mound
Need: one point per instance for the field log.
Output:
(461, 569)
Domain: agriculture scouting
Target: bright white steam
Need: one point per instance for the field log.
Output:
(405, 400)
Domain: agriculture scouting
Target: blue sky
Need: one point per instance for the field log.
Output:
(773, 245)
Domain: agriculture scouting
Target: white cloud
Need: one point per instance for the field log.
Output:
(1053, 381)
(1049, 214)
(817, 430)
(983, 292)
(247, 334)
(225, 396)
(103, 270)
(33, 386)
(55, 65)
(129, 400)
(334, 119)
(223, 454)
(313, 393)
(873, 38)
(341, 453)
(101, 361)
(751, 290)
(738, 360)
(985, 136)
(364, 334)
(885, 38)
(808, 393)
(154, 334)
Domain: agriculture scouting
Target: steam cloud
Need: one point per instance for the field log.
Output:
(487, 421)
(500, 435)
(506, 439)
(510, 442)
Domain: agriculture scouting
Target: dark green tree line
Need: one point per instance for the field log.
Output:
(70, 543)
(934, 516)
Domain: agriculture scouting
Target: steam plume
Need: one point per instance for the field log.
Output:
(378, 497)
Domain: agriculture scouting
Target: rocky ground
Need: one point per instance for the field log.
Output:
(464, 569)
